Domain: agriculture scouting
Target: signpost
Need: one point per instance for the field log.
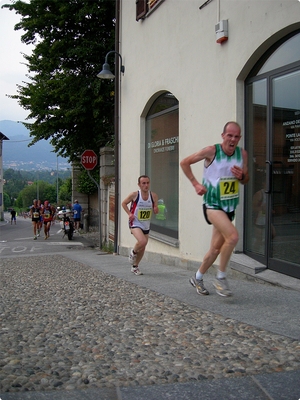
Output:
(89, 160)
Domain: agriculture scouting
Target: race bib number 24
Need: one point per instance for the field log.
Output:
(229, 188)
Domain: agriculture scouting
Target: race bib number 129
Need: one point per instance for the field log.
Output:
(229, 188)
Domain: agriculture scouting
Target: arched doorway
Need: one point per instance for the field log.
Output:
(272, 225)
(162, 162)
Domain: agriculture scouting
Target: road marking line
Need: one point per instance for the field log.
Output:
(65, 243)
(57, 243)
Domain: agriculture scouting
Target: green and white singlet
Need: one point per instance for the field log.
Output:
(222, 186)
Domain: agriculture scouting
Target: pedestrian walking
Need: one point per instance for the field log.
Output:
(77, 210)
(225, 166)
(13, 216)
(142, 203)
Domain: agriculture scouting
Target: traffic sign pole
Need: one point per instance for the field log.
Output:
(89, 160)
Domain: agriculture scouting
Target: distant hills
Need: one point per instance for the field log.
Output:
(17, 154)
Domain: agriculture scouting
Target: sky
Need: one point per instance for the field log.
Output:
(12, 71)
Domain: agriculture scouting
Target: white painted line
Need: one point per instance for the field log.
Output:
(27, 238)
(69, 243)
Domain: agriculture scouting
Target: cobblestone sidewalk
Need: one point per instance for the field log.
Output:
(66, 326)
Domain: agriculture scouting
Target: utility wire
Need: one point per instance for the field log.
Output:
(18, 141)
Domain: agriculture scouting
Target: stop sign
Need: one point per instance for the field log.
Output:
(89, 159)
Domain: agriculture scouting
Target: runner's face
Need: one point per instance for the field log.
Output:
(231, 138)
(144, 184)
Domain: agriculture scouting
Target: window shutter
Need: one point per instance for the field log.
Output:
(141, 9)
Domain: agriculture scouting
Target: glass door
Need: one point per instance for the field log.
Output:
(272, 139)
(256, 227)
(283, 175)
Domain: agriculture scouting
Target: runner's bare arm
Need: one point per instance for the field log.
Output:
(155, 199)
(131, 197)
(206, 154)
(242, 173)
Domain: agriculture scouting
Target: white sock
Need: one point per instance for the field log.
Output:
(221, 275)
(199, 276)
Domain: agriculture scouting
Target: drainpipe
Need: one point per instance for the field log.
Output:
(117, 128)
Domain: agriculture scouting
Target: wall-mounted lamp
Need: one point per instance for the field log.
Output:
(106, 72)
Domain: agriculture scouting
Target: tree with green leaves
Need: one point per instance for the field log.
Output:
(65, 191)
(85, 184)
(7, 201)
(41, 190)
(68, 103)
(14, 182)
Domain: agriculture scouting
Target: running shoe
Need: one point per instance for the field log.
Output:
(34, 238)
(132, 257)
(222, 288)
(199, 285)
(136, 270)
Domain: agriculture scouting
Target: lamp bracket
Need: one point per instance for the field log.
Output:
(122, 67)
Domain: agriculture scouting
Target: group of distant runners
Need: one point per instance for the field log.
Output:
(45, 215)
(42, 214)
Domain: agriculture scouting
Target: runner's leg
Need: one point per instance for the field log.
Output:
(210, 257)
(225, 227)
(141, 243)
(34, 227)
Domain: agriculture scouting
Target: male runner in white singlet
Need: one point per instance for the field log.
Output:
(142, 203)
(225, 166)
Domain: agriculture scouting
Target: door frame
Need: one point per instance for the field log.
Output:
(284, 267)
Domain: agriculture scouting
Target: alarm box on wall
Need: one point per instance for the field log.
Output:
(222, 31)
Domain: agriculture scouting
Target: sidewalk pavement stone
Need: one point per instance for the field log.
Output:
(69, 327)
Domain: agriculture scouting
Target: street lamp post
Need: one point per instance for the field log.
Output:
(56, 181)
(107, 74)
(37, 187)
(2, 137)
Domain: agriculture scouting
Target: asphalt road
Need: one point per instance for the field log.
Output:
(18, 239)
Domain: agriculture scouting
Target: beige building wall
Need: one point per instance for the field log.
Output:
(175, 50)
